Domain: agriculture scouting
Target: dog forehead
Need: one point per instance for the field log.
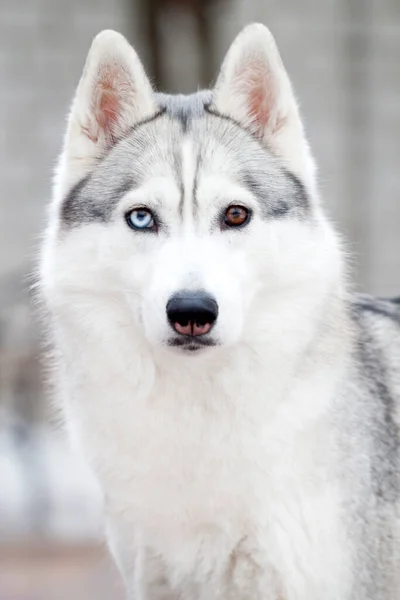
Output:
(189, 130)
(191, 135)
(184, 132)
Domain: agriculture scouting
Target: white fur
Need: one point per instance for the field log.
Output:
(219, 468)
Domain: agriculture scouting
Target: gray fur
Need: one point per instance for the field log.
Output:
(185, 108)
(279, 192)
(389, 308)
(368, 420)
(84, 205)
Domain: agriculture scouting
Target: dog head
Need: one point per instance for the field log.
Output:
(194, 217)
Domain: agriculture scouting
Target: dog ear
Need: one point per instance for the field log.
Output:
(113, 95)
(253, 89)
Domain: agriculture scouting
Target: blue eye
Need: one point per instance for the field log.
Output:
(141, 218)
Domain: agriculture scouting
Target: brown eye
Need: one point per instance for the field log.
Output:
(236, 216)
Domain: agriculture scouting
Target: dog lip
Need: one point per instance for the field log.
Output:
(191, 344)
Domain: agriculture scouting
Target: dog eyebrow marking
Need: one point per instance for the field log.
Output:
(71, 202)
(89, 202)
(277, 200)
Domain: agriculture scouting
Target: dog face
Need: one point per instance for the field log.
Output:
(193, 217)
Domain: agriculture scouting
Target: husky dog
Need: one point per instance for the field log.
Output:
(237, 405)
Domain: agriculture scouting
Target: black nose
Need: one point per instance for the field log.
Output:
(192, 313)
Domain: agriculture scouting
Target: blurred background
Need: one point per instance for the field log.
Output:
(343, 57)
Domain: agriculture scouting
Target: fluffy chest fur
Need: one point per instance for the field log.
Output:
(214, 463)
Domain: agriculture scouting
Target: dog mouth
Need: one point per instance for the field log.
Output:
(191, 344)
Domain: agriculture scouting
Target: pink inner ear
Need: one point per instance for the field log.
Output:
(107, 101)
(259, 105)
(261, 101)
(108, 111)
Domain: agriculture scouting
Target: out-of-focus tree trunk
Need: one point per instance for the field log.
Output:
(154, 11)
